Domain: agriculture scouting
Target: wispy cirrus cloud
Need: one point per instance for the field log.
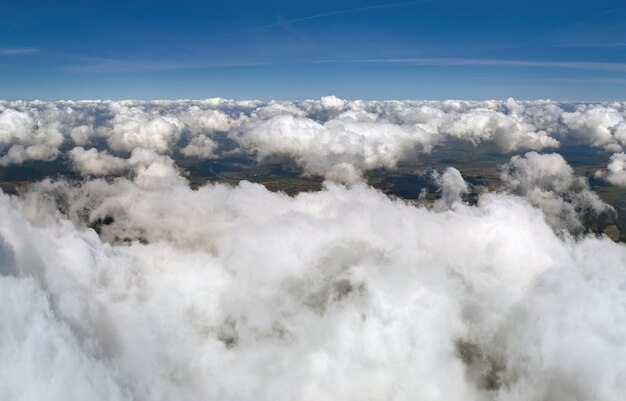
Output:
(282, 22)
(17, 51)
(452, 61)
(135, 65)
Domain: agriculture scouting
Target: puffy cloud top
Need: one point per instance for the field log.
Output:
(92, 162)
(335, 138)
(549, 183)
(595, 125)
(140, 288)
(321, 148)
(507, 132)
(616, 170)
(452, 186)
(238, 293)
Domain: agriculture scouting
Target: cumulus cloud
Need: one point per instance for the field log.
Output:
(335, 138)
(241, 293)
(133, 127)
(153, 171)
(452, 186)
(36, 130)
(15, 125)
(198, 120)
(17, 154)
(139, 288)
(93, 162)
(616, 170)
(593, 125)
(335, 146)
(82, 135)
(200, 146)
(25, 140)
(506, 132)
(550, 183)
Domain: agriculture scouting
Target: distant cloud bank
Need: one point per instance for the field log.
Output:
(335, 138)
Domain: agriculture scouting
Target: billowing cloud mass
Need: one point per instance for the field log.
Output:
(452, 187)
(133, 128)
(616, 170)
(21, 136)
(334, 138)
(353, 143)
(129, 284)
(507, 132)
(240, 293)
(596, 125)
(548, 182)
(93, 162)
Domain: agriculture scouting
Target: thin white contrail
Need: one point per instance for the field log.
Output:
(331, 13)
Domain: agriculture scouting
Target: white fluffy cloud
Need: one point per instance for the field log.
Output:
(133, 127)
(506, 132)
(25, 139)
(239, 293)
(336, 138)
(327, 148)
(148, 169)
(452, 187)
(200, 146)
(18, 154)
(36, 130)
(93, 162)
(15, 125)
(594, 125)
(549, 183)
(616, 170)
(140, 288)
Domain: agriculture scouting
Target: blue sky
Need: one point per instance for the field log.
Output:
(563, 50)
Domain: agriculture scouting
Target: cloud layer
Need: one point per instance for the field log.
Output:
(331, 137)
(138, 287)
(240, 293)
